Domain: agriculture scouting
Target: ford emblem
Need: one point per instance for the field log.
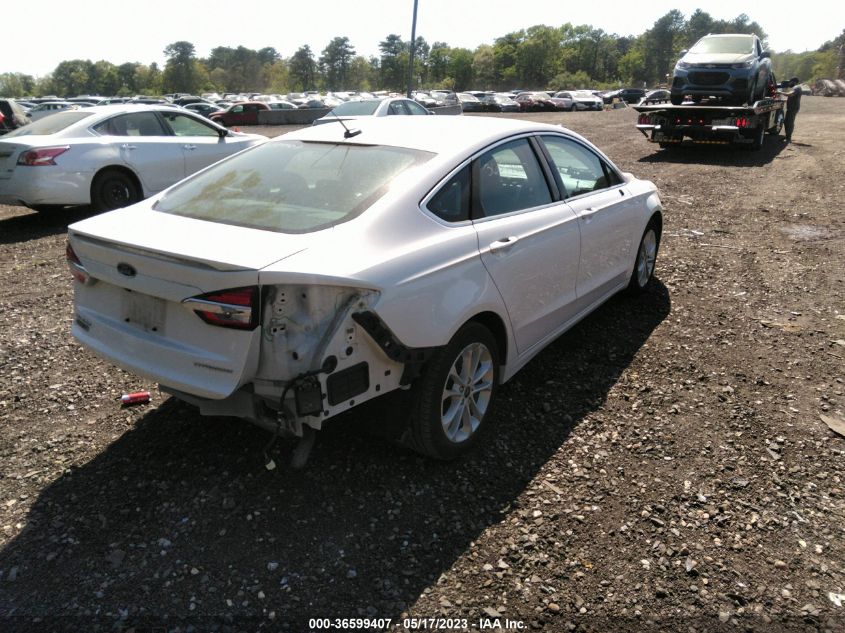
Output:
(126, 269)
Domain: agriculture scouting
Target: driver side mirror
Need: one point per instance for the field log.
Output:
(765, 55)
(223, 133)
(684, 52)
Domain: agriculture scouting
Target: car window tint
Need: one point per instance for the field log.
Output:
(581, 170)
(451, 202)
(143, 124)
(188, 126)
(508, 178)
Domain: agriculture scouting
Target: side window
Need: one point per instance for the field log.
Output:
(237, 109)
(188, 126)
(508, 178)
(144, 124)
(115, 126)
(451, 203)
(415, 108)
(396, 108)
(581, 170)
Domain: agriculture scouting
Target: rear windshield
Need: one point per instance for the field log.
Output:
(50, 124)
(354, 108)
(737, 45)
(291, 186)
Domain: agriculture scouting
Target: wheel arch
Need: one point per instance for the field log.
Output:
(496, 326)
(122, 169)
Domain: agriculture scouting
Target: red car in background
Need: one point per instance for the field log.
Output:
(240, 113)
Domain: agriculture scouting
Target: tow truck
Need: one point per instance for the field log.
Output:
(707, 122)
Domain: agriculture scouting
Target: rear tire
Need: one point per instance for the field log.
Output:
(113, 189)
(453, 398)
(646, 259)
(676, 99)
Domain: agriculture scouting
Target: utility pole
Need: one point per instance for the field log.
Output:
(413, 49)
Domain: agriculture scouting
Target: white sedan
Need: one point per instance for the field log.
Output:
(581, 99)
(322, 270)
(109, 156)
(366, 108)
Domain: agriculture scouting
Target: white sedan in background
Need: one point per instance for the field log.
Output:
(323, 270)
(109, 156)
(366, 108)
(50, 107)
(581, 99)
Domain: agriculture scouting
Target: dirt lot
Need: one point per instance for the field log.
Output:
(663, 466)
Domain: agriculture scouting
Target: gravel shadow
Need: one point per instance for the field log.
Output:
(182, 505)
(724, 155)
(35, 225)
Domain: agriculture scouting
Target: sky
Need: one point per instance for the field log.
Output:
(119, 32)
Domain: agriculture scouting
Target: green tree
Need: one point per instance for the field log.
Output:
(362, 75)
(393, 53)
(16, 85)
(663, 43)
(105, 79)
(460, 68)
(277, 77)
(181, 72)
(484, 68)
(438, 63)
(335, 61)
(303, 69)
(73, 77)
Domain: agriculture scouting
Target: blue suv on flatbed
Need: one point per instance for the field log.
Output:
(733, 67)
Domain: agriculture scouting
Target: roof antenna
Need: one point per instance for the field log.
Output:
(348, 133)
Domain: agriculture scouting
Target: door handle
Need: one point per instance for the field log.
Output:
(128, 146)
(189, 146)
(503, 244)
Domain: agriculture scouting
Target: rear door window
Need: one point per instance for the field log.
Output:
(508, 178)
(580, 169)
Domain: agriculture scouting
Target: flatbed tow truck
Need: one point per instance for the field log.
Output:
(709, 123)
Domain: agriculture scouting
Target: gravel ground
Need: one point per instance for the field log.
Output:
(663, 466)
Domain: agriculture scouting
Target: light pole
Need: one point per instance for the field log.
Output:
(413, 48)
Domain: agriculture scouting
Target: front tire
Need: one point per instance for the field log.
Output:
(454, 396)
(113, 189)
(646, 259)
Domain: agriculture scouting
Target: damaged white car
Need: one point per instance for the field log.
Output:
(307, 275)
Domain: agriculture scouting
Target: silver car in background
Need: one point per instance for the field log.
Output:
(109, 156)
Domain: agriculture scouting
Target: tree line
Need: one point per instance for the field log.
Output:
(541, 56)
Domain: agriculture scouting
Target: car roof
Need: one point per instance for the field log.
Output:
(437, 134)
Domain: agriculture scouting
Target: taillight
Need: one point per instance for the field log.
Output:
(76, 268)
(234, 308)
(41, 156)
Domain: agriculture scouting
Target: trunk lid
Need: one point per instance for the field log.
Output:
(133, 313)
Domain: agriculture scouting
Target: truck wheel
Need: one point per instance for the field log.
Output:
(676, 99)
(452, 399)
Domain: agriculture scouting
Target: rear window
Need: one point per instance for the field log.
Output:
(291, 186)
(50, 124)
(355, 108)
